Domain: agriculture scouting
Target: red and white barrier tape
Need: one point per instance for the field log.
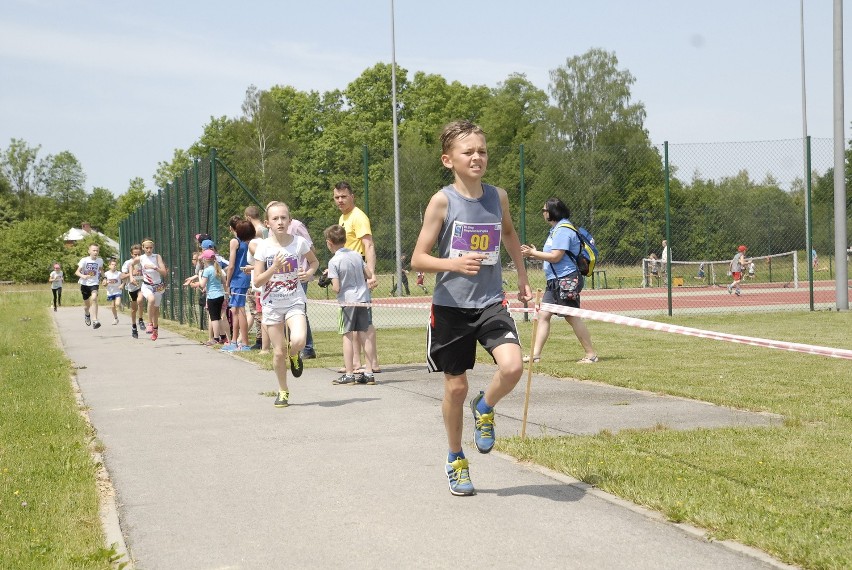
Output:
(688, 331)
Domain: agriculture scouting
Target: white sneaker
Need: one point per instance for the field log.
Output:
(115, 321)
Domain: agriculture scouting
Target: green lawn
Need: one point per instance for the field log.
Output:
(786, 490)
(48, 497)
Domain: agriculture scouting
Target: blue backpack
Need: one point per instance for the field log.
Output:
(589, 253)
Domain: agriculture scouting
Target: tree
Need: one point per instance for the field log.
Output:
(64, 184)
(514, 115)
(167, 172)
(126, 204)
(592, 97)
(99, 208)
(593, 123)
(23, 171)
(39, 243)
(262, 119)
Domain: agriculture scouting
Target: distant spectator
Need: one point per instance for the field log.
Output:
(359, 238)
(349, 274)
(237, 281)
(564, 281)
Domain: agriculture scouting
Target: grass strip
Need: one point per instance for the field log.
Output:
(48, 496)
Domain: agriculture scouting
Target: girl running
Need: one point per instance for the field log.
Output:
(153, 271)
(56, 279)
(278, 260)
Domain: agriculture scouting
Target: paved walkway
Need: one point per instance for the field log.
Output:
(209, 475)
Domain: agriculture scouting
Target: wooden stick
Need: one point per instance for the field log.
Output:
(531, 363)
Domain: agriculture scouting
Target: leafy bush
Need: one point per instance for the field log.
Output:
(31, 247)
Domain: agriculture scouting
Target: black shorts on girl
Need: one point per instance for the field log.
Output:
(214, 307)
(453, 333)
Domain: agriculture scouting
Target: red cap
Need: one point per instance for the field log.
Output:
(742, 248)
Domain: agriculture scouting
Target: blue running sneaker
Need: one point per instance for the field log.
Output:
(458, 476)
(229, 347)
(483, 432)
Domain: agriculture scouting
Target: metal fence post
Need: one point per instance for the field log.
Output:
(366, 163)
(668, 260)
(809, 238)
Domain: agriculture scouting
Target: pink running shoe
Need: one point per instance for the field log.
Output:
(150, 328)
(154, 334)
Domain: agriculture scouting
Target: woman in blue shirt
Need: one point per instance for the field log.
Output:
(564, 281)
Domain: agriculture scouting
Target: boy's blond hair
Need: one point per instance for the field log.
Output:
(456, 130)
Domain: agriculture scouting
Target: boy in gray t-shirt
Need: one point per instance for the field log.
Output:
(348, 274)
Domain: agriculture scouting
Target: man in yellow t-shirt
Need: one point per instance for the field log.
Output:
(359, 237)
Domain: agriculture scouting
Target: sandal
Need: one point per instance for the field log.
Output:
(535, 359)
(588, 360)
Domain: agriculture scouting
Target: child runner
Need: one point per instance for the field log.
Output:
(349, 273)
(89, 271)
(153, 271)
(112, 281)
(56, 279)
(212, 281)
(277, 270)
(468, 221)
(132, 271)
(738, 265)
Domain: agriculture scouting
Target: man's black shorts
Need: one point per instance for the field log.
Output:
(453, 334)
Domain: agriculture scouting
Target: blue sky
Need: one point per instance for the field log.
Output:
(122, 84)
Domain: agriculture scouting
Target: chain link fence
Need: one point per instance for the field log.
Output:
(705, 199)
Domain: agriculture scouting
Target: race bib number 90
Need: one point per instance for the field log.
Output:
(476, 238)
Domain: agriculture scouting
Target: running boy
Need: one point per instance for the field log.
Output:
(349, 273)
(468, 220)
(153, 271)
(277, 270)
(738, 265)
(89, 271)
(132, 271)
(112, 281)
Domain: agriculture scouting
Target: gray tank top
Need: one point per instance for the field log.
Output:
(471, 226)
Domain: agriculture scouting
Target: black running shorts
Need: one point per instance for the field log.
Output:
(87, 290)
(454, 332)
